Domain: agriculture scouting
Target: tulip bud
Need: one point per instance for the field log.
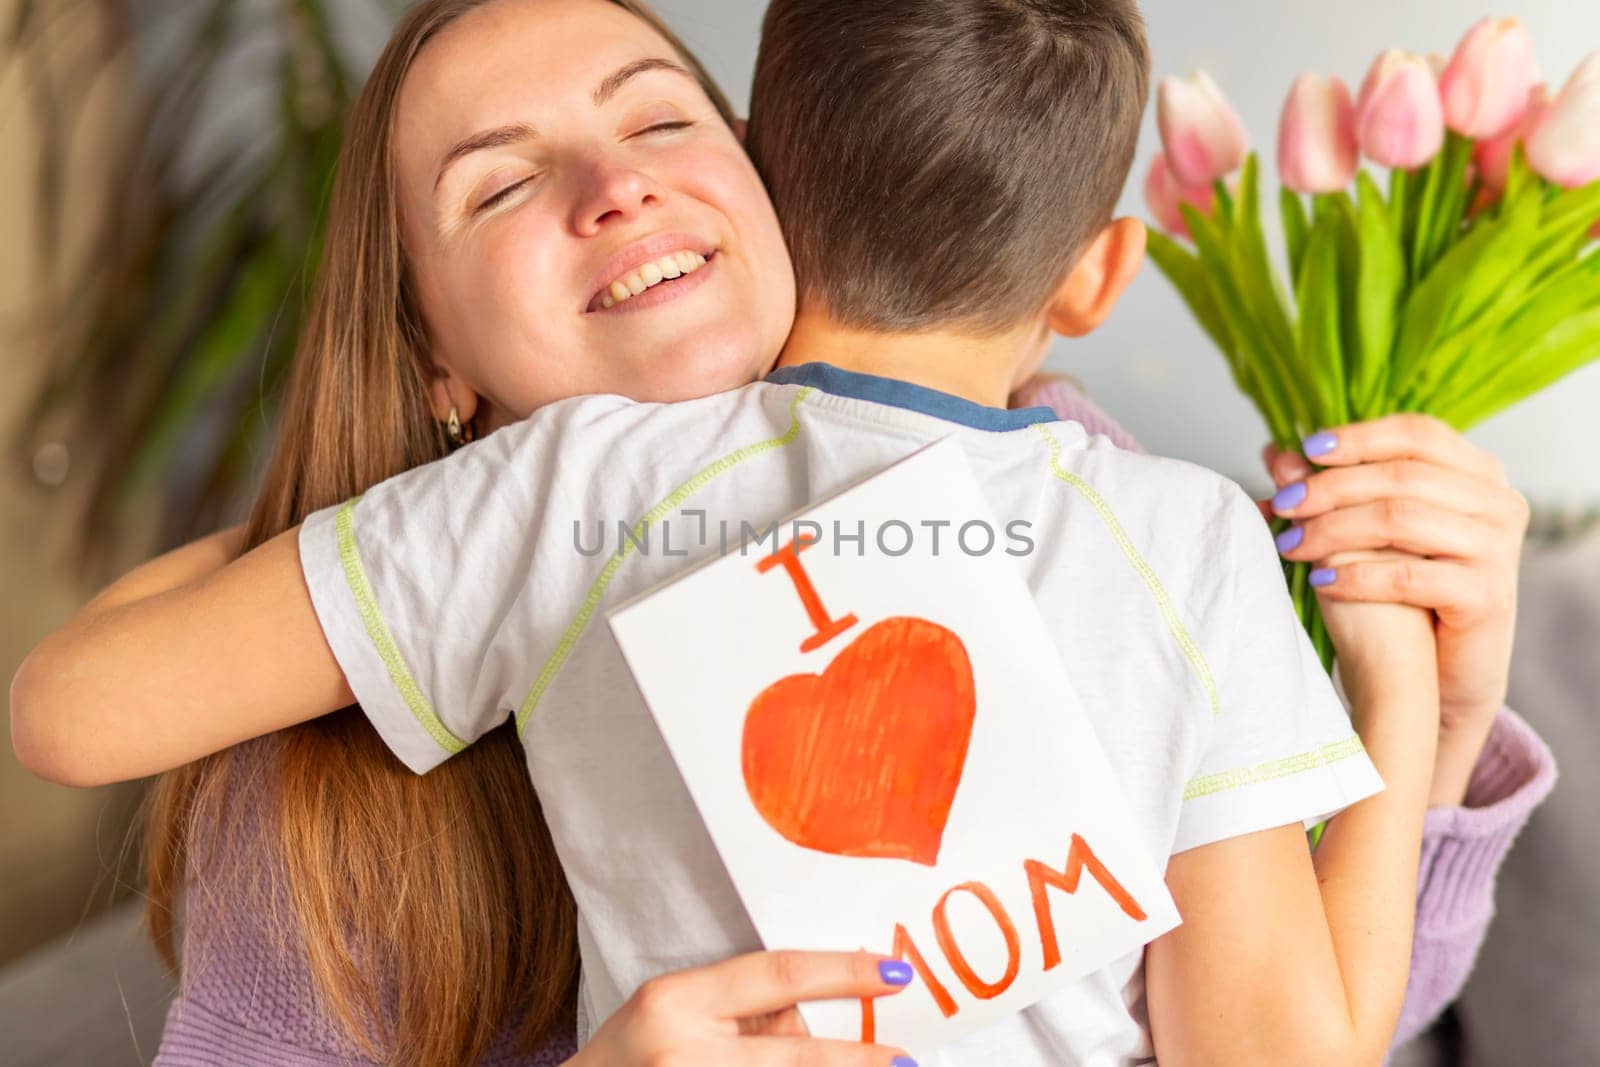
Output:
(1203, 135)
(1317, 150)
(1399, 121)
(1163, 193)
(1588, 70)
(1485, 87)
(1564, 142)
(1493, 156)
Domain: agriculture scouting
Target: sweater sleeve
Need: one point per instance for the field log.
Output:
(1462, 849)
(1071, 404)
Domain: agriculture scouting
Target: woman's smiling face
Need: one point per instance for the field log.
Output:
(561, 176)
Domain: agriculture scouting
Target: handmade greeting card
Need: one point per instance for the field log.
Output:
(881, 737)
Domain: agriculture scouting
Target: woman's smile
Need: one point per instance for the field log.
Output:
(651, 272)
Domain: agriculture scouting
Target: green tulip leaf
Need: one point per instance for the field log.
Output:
(1296, 229)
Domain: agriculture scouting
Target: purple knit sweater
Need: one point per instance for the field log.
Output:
(247, 1000)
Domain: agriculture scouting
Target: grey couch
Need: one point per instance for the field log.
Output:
(1534, 997)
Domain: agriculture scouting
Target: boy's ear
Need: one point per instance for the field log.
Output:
(1097, 281)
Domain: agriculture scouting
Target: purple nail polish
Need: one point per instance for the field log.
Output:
(895, 972)
(904, 1061)
(1290, 539)
(1290, 496)
(1320, 444)
(1323, 576)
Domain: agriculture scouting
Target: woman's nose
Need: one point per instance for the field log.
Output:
(612, 193)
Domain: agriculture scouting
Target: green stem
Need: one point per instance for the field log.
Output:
(1399, 192)
(1443, 226)
(1419, 213)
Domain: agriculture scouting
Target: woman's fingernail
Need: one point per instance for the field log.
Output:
(895, 972)
(904, 1061)
(1323, 576)
(1290, 539)
(1320, 444)
(1290, 496)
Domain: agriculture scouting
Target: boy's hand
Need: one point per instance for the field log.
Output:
(1385, 650)
(1411, 483)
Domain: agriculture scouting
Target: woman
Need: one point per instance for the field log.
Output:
(297, 848)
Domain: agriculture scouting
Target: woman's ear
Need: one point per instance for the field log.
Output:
(740, 127)
(446, 391)
(1084, 300)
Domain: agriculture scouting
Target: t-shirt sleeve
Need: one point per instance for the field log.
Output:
(411, 581)
(1281, 747)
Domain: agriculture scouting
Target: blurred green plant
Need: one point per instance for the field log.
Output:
(165, 345)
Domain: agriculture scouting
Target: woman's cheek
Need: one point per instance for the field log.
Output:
(524, 319)
(533, 275)
(736, 190)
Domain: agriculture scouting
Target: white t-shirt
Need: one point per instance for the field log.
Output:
(474, 588)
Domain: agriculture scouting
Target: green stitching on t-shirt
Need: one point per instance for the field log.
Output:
(597, 591)
(1174, 624)
(1278, 768)
(356, 575)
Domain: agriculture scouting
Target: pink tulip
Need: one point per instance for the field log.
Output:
(1485, 87)
(1317, 150)
(1493, 156)
(1588, 70)
(1399, 121)
(1564, 142)
(1163, 192)
(1203, 135)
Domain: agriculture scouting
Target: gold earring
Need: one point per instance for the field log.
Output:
(452, 429)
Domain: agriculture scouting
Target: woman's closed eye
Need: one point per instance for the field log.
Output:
(666, 127)
(499, 197)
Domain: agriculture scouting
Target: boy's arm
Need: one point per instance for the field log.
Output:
(169, 570)
(163, 668)
(1285, 957)
(394, 598)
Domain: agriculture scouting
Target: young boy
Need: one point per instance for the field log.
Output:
(945, 172)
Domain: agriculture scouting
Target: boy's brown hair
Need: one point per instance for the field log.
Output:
(943, 163)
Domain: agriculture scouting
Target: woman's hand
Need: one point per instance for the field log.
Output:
(741, 1013)
(1411, 483)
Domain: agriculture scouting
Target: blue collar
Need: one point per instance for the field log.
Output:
(897, 394)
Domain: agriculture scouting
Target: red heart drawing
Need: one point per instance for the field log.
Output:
(864, 759)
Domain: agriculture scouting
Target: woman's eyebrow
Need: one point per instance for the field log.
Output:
(501, 136)
(616, 80)
(498, 137)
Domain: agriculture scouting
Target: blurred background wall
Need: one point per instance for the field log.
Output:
(57, 846)
(1149, 367)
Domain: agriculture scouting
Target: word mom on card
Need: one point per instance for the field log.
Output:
(889, 755)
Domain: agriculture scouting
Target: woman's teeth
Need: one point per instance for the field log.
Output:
(651, 274)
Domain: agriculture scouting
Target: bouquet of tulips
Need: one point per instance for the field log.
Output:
(1465, 283)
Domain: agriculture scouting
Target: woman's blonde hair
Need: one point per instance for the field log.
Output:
(432, 910)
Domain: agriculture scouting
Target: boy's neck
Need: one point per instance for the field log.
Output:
(981, 369)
